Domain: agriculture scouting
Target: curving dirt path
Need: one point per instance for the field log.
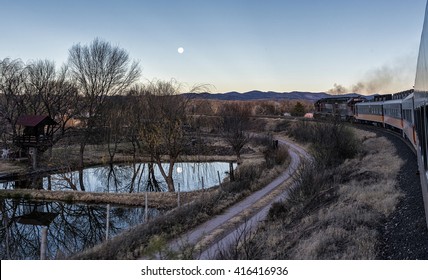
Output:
(222, 229)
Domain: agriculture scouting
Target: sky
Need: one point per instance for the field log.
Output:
(368, 46)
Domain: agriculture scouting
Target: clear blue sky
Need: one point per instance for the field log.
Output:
(278, 45)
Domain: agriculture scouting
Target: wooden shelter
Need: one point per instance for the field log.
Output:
(35, 132)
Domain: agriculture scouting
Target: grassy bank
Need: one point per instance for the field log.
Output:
(159, 200)
(336, 210)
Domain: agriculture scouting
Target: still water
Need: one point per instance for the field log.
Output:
(123, 178)
(70, 227)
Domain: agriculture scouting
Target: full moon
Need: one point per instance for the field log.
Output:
(180, 50)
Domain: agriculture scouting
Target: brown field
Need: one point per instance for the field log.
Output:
(338, 213)
(345, 229)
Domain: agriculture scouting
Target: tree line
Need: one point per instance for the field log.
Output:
(98, 86)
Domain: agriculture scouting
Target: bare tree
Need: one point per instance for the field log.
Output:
(115, 123)
(236, 118)
(12, 78)
(38, 89)
(52, 93)
(40, 82)
(136, 114)
(99, 70)
(162, 131)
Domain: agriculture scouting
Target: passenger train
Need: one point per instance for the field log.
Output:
(396, 114)
(406, 112)
(408, 115)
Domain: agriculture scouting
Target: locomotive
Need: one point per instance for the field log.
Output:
(340, 107)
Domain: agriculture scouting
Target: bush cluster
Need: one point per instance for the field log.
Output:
(274, 153)
(314, 187)
(331, 143)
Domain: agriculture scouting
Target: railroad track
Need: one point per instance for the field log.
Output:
(387, 131)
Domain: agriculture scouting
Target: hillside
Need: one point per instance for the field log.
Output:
(260, 95)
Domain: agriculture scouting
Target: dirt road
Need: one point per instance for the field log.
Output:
(222, 229)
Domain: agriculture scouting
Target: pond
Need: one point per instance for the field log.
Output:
(70, 228)
(123, 178)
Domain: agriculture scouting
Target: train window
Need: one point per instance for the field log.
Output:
(425, 132)
(419, 122)
(407, 115)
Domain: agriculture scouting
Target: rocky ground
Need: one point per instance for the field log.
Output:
(404, 235)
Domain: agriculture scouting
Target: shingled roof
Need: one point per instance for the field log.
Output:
(33, 121)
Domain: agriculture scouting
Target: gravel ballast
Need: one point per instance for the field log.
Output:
(404, 234)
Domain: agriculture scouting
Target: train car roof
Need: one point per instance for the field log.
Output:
(394, 101)
(339, 98)
(370, 103)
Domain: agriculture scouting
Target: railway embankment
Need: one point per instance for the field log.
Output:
(404, 235)
(364, 206)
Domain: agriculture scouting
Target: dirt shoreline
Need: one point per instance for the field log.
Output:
(160, 200)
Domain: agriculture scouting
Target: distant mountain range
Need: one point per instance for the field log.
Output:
(262, 95)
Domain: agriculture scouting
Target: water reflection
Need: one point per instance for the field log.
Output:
(124, 178)
(70, 227)
(140, 177)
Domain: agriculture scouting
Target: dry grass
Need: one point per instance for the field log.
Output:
(159, 200)
(346, 228)
(338, 216)
(10, 167)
